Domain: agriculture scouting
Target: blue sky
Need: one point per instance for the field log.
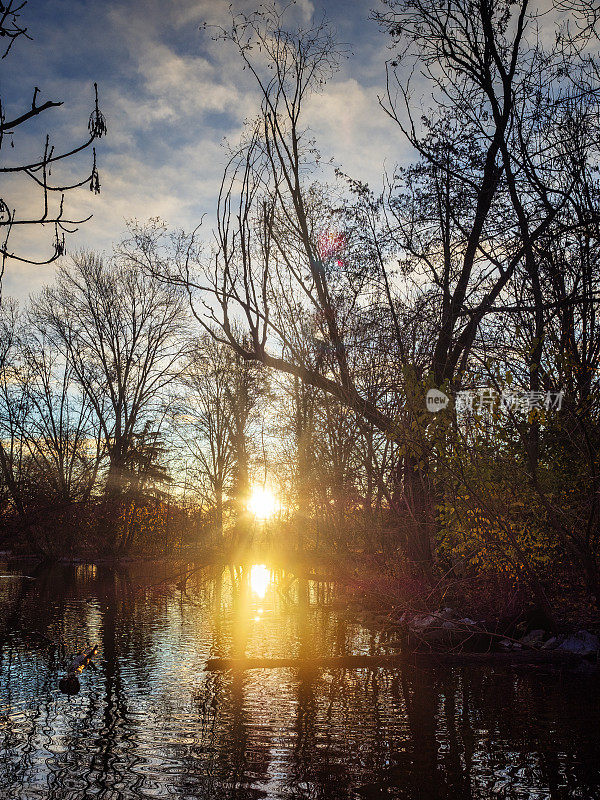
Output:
(170, 95)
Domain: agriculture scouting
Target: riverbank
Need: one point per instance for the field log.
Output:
(481, 614)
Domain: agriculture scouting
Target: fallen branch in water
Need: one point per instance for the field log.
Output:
(393, 660)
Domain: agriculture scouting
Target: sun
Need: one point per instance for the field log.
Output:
(263, 503)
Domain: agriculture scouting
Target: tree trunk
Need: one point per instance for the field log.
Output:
(219, 513)
(420, 506)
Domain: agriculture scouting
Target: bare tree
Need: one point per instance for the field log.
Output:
(37, 171)
(203, 423)
(123, 335)
(61, 433)
(13, 410)
(497, 172)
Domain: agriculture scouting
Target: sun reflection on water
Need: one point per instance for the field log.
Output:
(260, 579)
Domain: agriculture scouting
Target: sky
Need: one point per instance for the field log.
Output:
(171, 96)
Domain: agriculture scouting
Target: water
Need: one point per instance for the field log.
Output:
(152, 723)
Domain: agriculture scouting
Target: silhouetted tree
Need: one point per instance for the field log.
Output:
(123, 335)
(36, 171)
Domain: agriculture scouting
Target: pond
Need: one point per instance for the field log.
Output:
(151, 722)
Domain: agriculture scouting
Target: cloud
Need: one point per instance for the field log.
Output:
(351, 127)
(171, 94)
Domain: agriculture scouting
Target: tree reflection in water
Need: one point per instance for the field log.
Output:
(151, 723)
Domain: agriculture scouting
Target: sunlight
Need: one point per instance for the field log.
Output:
(260, 579)
(263, 503)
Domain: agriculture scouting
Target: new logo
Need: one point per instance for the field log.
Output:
(436, 400)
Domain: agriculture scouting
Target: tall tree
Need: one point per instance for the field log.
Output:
(61, 431)
(495, 173)
(123, 334)
(203, 423)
